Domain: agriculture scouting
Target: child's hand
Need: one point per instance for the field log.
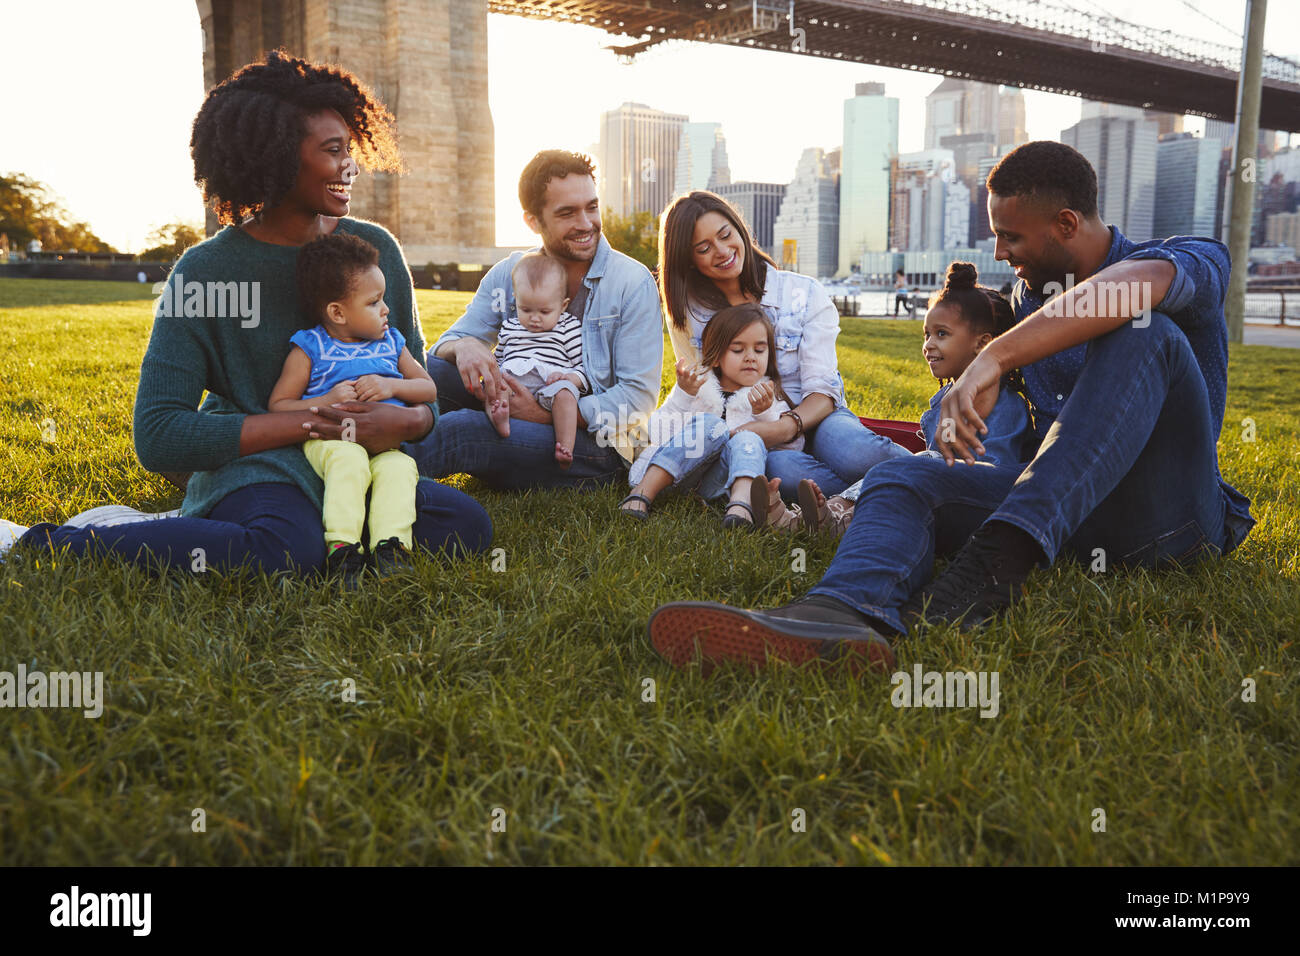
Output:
(761, 396)
(342, 392)
(690, 377)
(374, 388)
(566, 376)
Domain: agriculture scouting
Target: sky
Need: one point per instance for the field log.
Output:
(119, 159)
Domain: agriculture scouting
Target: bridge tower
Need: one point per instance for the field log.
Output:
(427, 60)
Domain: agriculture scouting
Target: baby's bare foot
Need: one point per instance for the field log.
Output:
(499, 414)
(563, 455)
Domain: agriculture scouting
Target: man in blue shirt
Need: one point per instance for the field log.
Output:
(622, 350)
(1126, 367)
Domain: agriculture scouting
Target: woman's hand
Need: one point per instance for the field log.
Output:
(690, 377)
(761, 396)
(372, 388)
(375, 426)
(774, 434)
(962, 411)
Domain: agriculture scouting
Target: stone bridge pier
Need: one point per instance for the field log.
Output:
(427, 60)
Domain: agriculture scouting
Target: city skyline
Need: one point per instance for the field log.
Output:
(97, 160)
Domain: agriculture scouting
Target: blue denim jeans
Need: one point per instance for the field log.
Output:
(1130, 467)
(269, 526)
(702, 457)
(836, 453)
(465, 442)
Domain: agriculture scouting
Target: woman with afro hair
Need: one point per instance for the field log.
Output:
(276, 148)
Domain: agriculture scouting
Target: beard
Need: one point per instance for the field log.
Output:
(562, 248)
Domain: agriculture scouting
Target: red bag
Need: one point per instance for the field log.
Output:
(902, 433)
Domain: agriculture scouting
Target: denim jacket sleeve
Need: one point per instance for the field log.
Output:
(487, 310)
(818, 367)
(637, 351)
(1200, 285)
(1008, 426)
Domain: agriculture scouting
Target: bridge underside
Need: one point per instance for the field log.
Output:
(935, 41)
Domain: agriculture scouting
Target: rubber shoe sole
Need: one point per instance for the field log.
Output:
(686, 631)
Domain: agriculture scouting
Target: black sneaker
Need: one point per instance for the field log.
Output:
(814, 628)
(985, 577)
(391, 557)
(346, 562)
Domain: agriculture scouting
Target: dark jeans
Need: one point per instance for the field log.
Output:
(1130, 467)
(465, 442)
(267, 527)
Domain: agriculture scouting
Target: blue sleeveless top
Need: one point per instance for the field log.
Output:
(333, 361)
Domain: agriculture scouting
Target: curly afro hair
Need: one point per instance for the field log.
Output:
(985, 310)
(246, 138)
(1047, 172)
(327, 272)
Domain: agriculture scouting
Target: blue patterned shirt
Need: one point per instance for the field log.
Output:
(333, 361)
(1194, 303)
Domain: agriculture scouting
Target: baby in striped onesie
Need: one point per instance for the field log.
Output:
(541, 347)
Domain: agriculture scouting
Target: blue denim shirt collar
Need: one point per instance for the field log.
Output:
(598, 262)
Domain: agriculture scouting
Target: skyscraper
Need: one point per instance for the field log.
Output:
(1187, 185)
(1011, 119)
(979, 123)
(1121, 145)
(930, 206)
(759, 205)
(701, 158)
(958, 107)
(810, 214)
(870, 142)
(638, 148)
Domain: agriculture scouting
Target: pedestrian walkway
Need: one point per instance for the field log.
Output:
(1286, 337)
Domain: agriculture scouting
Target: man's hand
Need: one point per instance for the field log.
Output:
(962, 411)
(478, 369)
(372, 388)
(690, 377)
(761, 396)
(522, 404)
(377, 426)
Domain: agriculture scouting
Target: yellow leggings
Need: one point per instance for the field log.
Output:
(348, 470)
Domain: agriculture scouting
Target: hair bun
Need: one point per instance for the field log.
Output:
(961, 275)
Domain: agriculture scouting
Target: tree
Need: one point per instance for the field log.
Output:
(636, 236)
(28, 210)
(166, 243)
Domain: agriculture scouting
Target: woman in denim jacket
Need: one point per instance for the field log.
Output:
(708, 261)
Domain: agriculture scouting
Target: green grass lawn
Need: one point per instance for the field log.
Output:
(518, 696)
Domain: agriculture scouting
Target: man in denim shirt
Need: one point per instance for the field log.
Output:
(1127, 372)
(622, 350)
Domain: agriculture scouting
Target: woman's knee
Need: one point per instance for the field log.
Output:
(450, 520)
(282, 528)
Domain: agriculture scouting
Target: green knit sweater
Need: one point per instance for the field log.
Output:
(206, 339)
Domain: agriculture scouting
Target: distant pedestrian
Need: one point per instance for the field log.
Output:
(902, 293)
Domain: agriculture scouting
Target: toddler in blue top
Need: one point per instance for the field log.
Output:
(352, 355)
(963, 318)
